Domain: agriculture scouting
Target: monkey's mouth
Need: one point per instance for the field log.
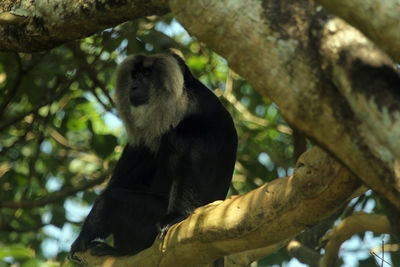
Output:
(138, 95)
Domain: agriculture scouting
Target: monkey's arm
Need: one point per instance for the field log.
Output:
(95, 226)
(98, 223)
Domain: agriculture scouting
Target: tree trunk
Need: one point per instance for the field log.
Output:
(329, 81)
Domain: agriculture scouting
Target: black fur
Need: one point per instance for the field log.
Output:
(154, 186)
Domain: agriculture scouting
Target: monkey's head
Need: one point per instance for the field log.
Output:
(150, 97)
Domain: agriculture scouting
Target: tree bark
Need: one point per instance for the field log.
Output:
(29, 26)
(378, 20)
(329, 81)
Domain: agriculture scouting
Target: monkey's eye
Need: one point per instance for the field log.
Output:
(300, 165)
(134, 74)
(146, 71)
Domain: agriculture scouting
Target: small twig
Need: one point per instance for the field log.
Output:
(89, 69)
(9, 228)
(20, 139)
(35, 109)
(382, 259)
(228, 95)
(382, 249)
(58, 195)
(358, 222)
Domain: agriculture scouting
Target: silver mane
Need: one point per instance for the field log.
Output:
(167, 105)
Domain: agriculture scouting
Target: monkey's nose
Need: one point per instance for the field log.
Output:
(138, 95)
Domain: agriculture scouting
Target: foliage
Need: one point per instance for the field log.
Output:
(60, 135)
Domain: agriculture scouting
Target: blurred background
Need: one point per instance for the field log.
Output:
(60, 136)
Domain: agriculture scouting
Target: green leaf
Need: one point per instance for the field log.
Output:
(36, 263)
(17, 252)
(104, 144)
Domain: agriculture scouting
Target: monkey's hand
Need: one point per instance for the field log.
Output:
(97, 248)
(79, 245)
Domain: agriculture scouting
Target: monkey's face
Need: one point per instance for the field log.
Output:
(146, 79)
(141, 85)
(150, 93)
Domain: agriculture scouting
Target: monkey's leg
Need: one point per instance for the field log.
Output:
(181, 204)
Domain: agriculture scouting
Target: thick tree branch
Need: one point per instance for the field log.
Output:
(370, 83)
(29, 26)
(264, 217)
(378, 20)
(284, 50)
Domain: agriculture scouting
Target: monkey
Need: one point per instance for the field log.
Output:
(180, 155)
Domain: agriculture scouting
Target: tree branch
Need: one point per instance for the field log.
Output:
(62, 86)
(378, 20)
(28, 26)
(292, 56)
(358, 222)
(264, 217)
(53, 197)
(303, 253)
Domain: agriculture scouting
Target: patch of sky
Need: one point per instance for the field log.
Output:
(368, 207)
(356, 249)
(245, 101)
(112, 121)
(50, 247)
(121, 51)
(266, 161)
(294, 263)
(110, 118)
(260, 110)
(281, 172)
(75, 210)
(148, 47)
(174, 29)
(46, 217)
(46, 147)
(60, 239)
(53, 184)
